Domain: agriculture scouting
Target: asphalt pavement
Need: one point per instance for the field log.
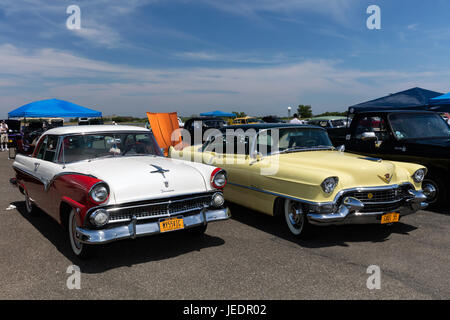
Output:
(251, 256)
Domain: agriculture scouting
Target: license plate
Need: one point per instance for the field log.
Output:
(171, 224)
(390, 217)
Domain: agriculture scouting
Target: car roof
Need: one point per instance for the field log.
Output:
(94, 128)
(393, 111)
(329, 118)
(262, 126)
(205, 118)
(246, 117)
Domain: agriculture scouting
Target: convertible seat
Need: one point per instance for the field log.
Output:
(162, 126)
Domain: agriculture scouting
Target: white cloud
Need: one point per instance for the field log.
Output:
(337, 9)
(231, 57)
(99, 19)
(122, 89)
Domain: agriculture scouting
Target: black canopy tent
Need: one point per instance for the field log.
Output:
(411, 99)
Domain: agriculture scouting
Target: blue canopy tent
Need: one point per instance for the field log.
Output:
(53, 108)
(217, 113)
(412, 99)
(441, 103)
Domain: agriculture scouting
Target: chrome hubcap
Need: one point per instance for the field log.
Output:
(28, 204)
(430, 190)
(295, 217)
(75, 234)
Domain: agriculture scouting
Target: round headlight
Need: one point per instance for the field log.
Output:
(419, 175)
(217, 200)
(329, 184)
(99, 193)
(99, 218)
(218, 178)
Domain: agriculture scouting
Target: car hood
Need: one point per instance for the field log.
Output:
(137, 178)
(352, 170)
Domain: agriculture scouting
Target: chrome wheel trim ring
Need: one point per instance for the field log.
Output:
(294, 217)
(28, 204)
(77, 246)
(433, 185)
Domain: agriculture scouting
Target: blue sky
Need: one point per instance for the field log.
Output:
(190, 56)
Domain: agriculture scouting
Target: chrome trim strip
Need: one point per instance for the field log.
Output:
(282, 195)
(167, 215)
(44, 182)
(68, 173)
(158, 203)
(336, 198)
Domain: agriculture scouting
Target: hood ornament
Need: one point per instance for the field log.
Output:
(162, 171)
(386, 178)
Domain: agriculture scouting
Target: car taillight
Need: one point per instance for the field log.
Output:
(218, 178)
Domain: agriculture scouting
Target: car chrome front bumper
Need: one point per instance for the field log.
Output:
(349, 212)
(133, 230)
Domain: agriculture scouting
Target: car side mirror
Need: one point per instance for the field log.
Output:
(341, 148)
(368, 136)
(257, 156)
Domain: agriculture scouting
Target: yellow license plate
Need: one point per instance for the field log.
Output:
(171, 224)
(390, 217)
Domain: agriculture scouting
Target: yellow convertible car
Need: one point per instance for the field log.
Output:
(295, 171)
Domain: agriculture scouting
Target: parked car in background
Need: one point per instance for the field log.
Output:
(180, 122)
(313, 182)
(107, 183)
(272, 119)
(89, 121)
(329, 122)
(421, 137)
(246, 120)
(203, 123)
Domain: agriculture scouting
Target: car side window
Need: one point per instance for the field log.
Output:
(264, 142)
(216, 144)
(51, 147)
(372, 124)
(42, 147)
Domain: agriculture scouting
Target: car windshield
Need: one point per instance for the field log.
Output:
(421, 125)
(214, 123)
(303, 138)
(338, 123)
(102, 145)
(293, 140)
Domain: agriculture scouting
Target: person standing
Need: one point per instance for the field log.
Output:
(296, 120)
(4, 136)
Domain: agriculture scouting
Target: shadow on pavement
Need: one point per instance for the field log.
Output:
(321, 236)
(121, 253)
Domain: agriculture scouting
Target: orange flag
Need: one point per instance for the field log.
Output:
(163, 126)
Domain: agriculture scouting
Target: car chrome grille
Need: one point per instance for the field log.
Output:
(383, 200)
(160, 209)
(385, 196)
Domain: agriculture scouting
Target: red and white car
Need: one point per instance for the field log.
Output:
(105, 183)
